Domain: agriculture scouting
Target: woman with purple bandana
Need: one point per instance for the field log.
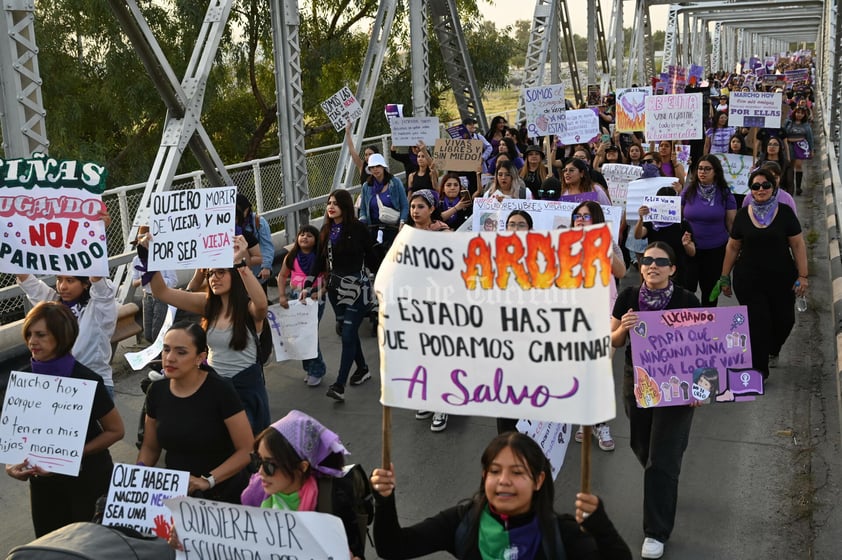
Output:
(289, 458)
(768, 256)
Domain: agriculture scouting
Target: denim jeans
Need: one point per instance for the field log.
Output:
(315, 367)
(350, 314)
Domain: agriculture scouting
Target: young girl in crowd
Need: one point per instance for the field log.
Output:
(290, 457)
(510, 516)
(50, 331)
(455, 203)
(298, 267)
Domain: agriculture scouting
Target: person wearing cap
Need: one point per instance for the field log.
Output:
(470, 124)
(534, 171)
(289, 458)
(606, 153)
(384, 207)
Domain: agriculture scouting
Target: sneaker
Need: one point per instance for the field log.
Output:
(652, 548)
(773, 360)
(313, 381)
(336, 392)
(580, 434)
(360, 376)
(439, 422)
(603, 433)
(423, 414)
(156, 375)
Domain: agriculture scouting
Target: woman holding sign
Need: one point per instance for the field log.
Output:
(659, 435)
(768, 256)
(50, 331)
(510, 516)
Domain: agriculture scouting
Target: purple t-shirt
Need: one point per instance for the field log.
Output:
(783, 198)
(708, 222)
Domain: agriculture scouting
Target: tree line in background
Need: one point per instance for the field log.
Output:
(101, 105)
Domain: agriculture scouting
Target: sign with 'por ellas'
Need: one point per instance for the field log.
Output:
(192, 229)
(45, 420)
(686, 355)
(51, 217)
(136, 498)
(504, 324)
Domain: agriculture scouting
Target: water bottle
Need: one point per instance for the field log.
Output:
(800, 301)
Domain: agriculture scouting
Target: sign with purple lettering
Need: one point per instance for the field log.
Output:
(580, 197)
(685, 355)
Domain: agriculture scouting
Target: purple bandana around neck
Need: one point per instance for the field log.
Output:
(707, 192)
(306, 261)
(59, 367)
(764, 212)
(654, 300)
(335, 232)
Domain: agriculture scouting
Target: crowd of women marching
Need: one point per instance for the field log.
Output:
(209, 413)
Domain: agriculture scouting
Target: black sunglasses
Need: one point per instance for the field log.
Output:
(256, 462)
(648, 161)
(659, 261)
(765, 185)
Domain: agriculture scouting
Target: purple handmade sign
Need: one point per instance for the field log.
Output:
(580, 197)
(686, 355)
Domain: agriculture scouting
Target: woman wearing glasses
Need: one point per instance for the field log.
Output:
(507, 183)
(709, 207)
(659, 435)
(290, 460)
(576, 180)
(234, 308)
(197, 418)
(768, 256)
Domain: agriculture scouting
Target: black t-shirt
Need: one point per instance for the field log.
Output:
(192, 430)
(765, 255)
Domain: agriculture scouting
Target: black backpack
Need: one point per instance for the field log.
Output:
(354, 488)
(91, 541)
(263, 342)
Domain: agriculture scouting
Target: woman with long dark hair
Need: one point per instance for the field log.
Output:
(774, 150)
(576, 179)
(510, 516)
(799, 138)
(718, 135)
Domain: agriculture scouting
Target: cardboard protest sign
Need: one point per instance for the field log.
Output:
(409, 131)
(643, 187)
(45, 420)
(544, 107)
(458, 155)
(553, 437)
(702, 354)
(498, 324)
(295, 331)
(631, 108)
(489, 214)
(341, 108)
(663, 209)
(210, 529)
(578, 126)
(136, 498)
(618, 176)
(192, 229)
(674, 117)
(755, 109)
(51, 217)
(137, 360)
(736, 169)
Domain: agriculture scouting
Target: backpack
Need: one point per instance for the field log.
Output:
(352, 487)
(263, 341)
(92, 541)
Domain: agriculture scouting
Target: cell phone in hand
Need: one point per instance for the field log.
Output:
(465, 195)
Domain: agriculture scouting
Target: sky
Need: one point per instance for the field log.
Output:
(506, 12)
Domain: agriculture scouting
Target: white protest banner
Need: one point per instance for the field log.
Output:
(295, 331)
(458, 155)
(674, 117)
(578, 126)
(510, 324)
(643, 187)
(755, 109)
(251, 532)
(136, 498)
(51, 217)
(553, 438)
(45, 420)
(139, 359)
(618, 176)
(544, 107)
(663, 209)
(490, 214)
(341, 108)
(631, 108)
(736, 169)
(192, 229)
(408, 131)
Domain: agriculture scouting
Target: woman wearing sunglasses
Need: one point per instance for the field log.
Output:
(768, 256)
(659, 435)
(290, 459)
(234, 308)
